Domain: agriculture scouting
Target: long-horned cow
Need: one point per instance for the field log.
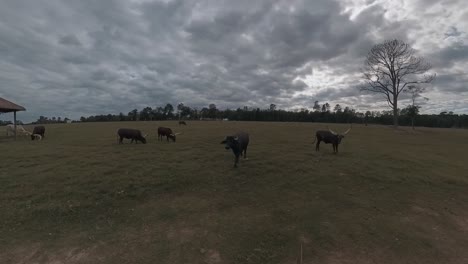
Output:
(133, 134)
(166, 132)
(38, 130)
(238, 143)
(329, 136)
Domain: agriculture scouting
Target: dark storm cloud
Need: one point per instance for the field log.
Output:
(72, 58)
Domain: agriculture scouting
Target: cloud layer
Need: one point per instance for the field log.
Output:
(73, 58)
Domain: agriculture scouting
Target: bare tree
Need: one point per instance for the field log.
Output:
(392, 66)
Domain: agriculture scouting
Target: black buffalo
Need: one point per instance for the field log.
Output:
(133, 134)
(238, 143)
(182, 123)
(166, 132)
(329, 136)
(39, 130)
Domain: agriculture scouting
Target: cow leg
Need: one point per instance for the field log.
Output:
(121, 140)
(317, 146)
(236, 160)
(245, 153)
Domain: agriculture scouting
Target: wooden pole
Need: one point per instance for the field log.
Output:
(14, 120)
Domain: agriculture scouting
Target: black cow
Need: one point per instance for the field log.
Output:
(166, 132)
(238, 143)
(182, 123)
(39, 130)
(329, 136)
(133, 134)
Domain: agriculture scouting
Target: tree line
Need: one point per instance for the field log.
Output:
(323, 113)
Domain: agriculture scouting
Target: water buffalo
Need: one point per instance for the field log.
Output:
(133, 134)
(238, 143)
(182, 123)
(166, 132)
(329, 136)
(38, 130)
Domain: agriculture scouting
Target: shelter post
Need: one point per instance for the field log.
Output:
(14, 120)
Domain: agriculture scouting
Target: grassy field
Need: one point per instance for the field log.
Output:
(389, 196)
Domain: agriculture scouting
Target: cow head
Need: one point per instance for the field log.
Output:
(173, 136)
(339, 136)
(143, 139)
(230, 142)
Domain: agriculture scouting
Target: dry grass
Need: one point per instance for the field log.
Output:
(387, 197)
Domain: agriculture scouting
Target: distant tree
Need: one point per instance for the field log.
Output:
(145, 114)
(185, 111)
(367, 115)
(121, 117)
(212, 111)
(324, 108)
(337, 108)
(180, 106)
(390, 68)
(272, 107)
(168, 110)
(413, 110)
(316, 106)
(327, 107)
(133, 115)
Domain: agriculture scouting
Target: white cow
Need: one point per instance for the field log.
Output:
(10, 129)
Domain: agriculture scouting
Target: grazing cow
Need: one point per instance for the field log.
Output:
(38, 130)
(329, 136)
(238, 143)
(10, 129)
(133, 134)
(166, 132)
(182, 123)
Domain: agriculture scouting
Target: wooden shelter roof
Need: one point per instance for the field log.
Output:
(7, 106)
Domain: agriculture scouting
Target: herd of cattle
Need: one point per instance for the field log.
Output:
(238, 142)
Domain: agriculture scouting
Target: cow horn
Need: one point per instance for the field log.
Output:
(333, 132)
(347, 131)
(177, 133)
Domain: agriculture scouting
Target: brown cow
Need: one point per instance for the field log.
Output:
(166, 132)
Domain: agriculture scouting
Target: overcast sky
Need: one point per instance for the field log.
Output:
(83, 57)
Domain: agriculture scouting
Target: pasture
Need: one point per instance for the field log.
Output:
(389, 196)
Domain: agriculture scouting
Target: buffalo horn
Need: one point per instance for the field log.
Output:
(331, 131)
(347, 131)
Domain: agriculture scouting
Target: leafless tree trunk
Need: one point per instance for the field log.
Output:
(390, 67)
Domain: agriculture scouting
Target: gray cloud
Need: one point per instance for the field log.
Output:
(95, 57)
